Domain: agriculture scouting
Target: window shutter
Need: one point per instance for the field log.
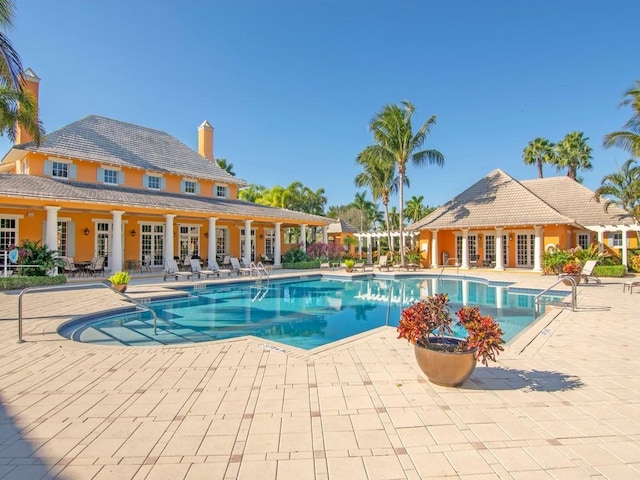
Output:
(162, 183)
(120, 177)
(73, 171)
(48, 167)
(145, 181)
(100, 174)
(198, 188)
(71, 239)
(182, 186)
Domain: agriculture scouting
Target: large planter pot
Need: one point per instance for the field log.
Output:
(449, 369)
(577, 278)
(120, 287)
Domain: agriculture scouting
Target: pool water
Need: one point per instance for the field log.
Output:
(302, 313)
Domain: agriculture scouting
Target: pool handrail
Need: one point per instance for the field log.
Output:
(574, 296)
(83, 285)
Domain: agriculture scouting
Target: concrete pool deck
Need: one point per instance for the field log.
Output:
(561, 402)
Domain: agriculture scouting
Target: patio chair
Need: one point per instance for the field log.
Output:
(226, 261)
(96, 266)
(383, 263)
(266, 259)
(629, 284)
(197, 269)
(213, 265)
(587, 271)
(473, 260)
(69, 267)
(240, 270)
(171, 270)
(146, 264)
(325, 265)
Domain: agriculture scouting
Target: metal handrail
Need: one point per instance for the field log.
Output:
(457, 265)
(83, 285)
(574, 296)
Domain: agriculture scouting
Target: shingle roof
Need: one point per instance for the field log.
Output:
(341, 227)
(498, 199)
(51, 189)
(119, 143)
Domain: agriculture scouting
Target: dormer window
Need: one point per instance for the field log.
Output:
(110, 176)
(153, 182)
(190, 186)
(58, 168)
(221, 191)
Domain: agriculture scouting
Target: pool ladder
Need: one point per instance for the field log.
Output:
(261, 272)
(574, 296)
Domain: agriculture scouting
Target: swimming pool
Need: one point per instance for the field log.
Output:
(302, 313)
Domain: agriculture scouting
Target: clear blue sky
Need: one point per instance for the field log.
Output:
(290, 86)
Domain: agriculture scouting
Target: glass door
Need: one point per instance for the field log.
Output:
(152, 243)
(524, 249)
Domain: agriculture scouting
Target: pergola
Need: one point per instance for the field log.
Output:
(370, 235)
(624, 229)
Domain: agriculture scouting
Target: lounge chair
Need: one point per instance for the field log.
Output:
(384, 263)
(145, 264)
(171, 270)
(325, 265)
(587, 271)
(629, 284)
(96, 266)
(213, 265)
(197, 270)
(235, 265)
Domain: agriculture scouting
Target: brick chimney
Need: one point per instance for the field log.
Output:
(31, 85)
(205, 140)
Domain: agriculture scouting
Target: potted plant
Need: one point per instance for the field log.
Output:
(349, 264)
(447, 360)
(119, 281)
(573, 269)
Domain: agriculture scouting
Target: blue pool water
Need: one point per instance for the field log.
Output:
(303, 313)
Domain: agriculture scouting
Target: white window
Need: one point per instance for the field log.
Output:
(63, 239)
(189, 186)
(60, 169)
(8, 233)
(110, 176)
(222, 240)
(154, 182)
(616, 239)
(583, 240)
(222, 191)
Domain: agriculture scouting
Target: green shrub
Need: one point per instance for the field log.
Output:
(16, 282)
(302, 265)
(634, 260)
(120, 278)
(349, 263)
(295, 255)
(33, 253)
(609, 271)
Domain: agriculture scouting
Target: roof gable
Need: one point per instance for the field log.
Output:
(101, 139)
(341, 227)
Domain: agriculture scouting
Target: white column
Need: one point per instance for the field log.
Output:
(465, 292)
(499, 291)
(434, 248)
(277, 249)
(115, 255)
(247, 240)
(600, 241)
(537, 249)
(303, 237)
(465, 249)
(499, 248)
(325, 234)
(211, 241)
(625, 260)
(168, 236)
(51, 228)
(359, 237)
(369, 247)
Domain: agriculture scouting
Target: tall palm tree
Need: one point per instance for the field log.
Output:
(19, 107)
(252, 193)
(394, 138)
(225, 165)
(537, 152)
(366, 208)
(622, 188)
(10, 64)
(628, 140)
(415, 209)
(379, 175)
(572, 153)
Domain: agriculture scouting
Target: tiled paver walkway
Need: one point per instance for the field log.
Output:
(562, 402)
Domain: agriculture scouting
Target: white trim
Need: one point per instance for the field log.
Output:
(60, 160)
(12, 216)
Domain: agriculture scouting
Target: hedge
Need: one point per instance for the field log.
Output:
(609, 271)
(16, 282)
(302, 265)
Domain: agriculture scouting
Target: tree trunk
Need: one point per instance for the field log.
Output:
(401, 212)
(539, 167)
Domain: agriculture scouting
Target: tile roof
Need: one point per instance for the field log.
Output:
(51, 189)
(341, 227)
(119, 143)
(498, 199)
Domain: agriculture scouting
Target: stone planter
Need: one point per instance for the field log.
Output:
(120, 287)
(449, 369)
(577, 278)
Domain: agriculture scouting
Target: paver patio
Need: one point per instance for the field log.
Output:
(562, 402)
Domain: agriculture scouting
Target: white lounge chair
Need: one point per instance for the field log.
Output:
(213, 265)
(197, 270)
(384, 263)
(235, 265)
(171, 270)
(587, 271)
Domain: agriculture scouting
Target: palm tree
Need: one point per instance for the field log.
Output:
(226, 166)
(622, 188)
(538, 152)
(394, 138)
(572, 153)
(19, 107)
(10, 63)
(628, 140)
(415, 209)
(379, 175)
(252, 193)
(366, 208)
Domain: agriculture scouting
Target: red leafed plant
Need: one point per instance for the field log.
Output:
(572, 268)
(427, 322)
